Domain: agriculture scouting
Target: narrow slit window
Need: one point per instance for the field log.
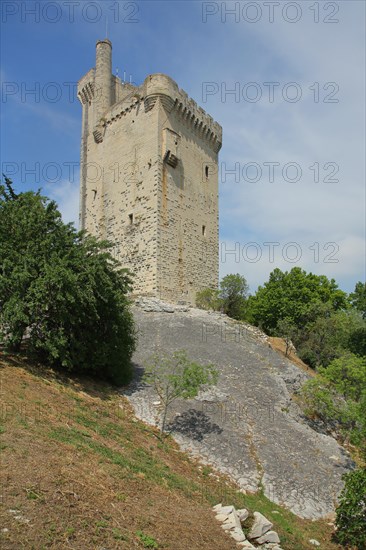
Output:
(203, 230)
(206, 171)
(130, 218)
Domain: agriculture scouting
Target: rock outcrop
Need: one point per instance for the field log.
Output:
(247, 426)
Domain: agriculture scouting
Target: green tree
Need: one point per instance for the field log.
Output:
(286, 330)
(62, 290)
(351, 512)
(208, 299)
(338, 394)
(175, 376)
(357, 341)
(358, 298)
(297, 295)
(330, 335)
(233, 294)
(348, 375)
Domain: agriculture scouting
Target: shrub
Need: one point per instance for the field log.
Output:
(175, 376)
(63, 290)
(208, 299)
(351, 512)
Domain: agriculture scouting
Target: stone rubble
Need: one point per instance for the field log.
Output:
(159, 306)
(260, 534)
(156, 305)
(260, 526)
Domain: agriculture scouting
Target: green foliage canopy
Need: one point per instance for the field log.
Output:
(233, 295)
(351, 512)
(338, 393)
(61, 289)
(295, 295)
(358, 298)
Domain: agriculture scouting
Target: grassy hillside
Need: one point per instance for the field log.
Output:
(79, 471)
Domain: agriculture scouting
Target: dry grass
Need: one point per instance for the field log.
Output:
(279, 345)
(79, 471)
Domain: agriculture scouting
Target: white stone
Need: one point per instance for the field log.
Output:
(260, 526)
(221, 517)
(243, 514)
(227, 510)
(270, 536)
(227, 526)
(233, 520)
(246, 545)
(237, 534)
(314, 542)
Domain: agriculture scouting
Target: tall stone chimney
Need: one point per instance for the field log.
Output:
(103, 78)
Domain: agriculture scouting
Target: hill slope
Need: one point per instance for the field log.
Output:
(248, 426)
(79, 471)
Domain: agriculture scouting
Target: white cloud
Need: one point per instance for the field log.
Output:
(304, 132)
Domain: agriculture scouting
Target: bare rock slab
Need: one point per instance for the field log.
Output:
(270, 536)
(248, 428)
(260, 526)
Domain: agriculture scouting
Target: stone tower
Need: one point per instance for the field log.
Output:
(149, 179)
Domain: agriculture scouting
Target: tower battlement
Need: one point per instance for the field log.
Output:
(149, 179)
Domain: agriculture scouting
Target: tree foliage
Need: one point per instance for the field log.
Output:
(296, 295)
(330, 335)
(351, 512)
(230, 298)
(338, 394)
(233, 295)
(208, 299)
(286, 330)
(175, 376)
(358, 298)
(61, 289)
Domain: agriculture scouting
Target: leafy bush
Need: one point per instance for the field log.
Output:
(208, 299)
(233, 294)
(61, 289)
(320, 399)
(338, 394)
(175, 376)
(299, 296)
(351, 512)
(348, 375)
(231, 298)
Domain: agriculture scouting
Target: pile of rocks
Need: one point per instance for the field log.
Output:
(156, 305)
(260, 534)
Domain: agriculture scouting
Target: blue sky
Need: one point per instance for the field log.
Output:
(292, 166)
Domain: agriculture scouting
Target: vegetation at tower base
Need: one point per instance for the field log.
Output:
(61, 290)
(351, 512)
(307, 310)
(175, 376)
(233, 293)
(231, 298)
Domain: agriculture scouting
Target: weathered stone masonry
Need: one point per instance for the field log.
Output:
(149, 179)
